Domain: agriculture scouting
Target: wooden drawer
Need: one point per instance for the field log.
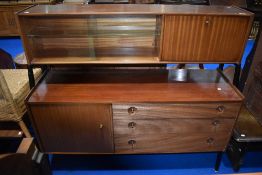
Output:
(156, 111)
(168, 126)
(170, 143)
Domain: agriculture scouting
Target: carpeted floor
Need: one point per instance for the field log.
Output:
(198, 163)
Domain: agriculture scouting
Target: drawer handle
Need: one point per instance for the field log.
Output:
(101, 126)
(131, 125)
(132, 143)
(210, 140)
(132, 110)
(215, 122)
(220, 109)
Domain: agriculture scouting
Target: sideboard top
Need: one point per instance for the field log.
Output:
(129, 9)
(133, 86)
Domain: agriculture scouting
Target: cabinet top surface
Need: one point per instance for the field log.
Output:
(134, 86)
(114, 9)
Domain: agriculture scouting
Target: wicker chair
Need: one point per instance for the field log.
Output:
(14, 87)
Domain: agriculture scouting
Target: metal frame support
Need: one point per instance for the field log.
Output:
(221, 67)
(237, 75)
(218, 160)
(31, 76)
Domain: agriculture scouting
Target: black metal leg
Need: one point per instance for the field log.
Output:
(31, 76)
(237, 75)
(221, 67)
(201, 66)
(218, 160)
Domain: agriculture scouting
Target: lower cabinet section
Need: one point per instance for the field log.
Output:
(170, 143)
(140, 128)
(74, 128)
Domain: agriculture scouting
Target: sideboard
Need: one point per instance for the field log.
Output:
(134, 111)
(97, 97)
(134, 33)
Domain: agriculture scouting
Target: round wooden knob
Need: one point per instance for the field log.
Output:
(132, 110)
(101, 126)
(131, 125)
(132, 142)
(215, 122)
(220, 108)
(210, 140)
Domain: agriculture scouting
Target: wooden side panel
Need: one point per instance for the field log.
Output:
(197, 38)
(83, 128)
(170, 143)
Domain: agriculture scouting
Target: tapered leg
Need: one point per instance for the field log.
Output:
(218, 160)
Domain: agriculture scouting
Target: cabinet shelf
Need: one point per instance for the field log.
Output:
(103, 60)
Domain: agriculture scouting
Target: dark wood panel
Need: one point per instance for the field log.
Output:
(170, 126)
(134, 86)
(85, 128)
(105, 9)
(156, 111)
(204, 38)
(170, 143)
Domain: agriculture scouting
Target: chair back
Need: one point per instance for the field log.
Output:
(6, 60)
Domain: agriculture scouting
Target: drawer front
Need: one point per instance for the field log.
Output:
(168, 126)
(157, 111)
(170, 143)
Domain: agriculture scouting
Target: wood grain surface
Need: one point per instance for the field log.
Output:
(134, 86)
(170, 143)
(170, 111)
(172, 126)
(73, 128)
(204, 38)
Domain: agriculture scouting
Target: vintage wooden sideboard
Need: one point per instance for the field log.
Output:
(97, 97)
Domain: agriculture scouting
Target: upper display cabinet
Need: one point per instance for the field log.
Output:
(136, 34)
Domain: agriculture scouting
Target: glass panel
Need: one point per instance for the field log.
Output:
(94, 38)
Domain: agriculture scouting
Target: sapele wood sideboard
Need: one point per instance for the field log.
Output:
(134, 34)
(133, 111)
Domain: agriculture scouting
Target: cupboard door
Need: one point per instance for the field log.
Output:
(189, 38)
(75, 128)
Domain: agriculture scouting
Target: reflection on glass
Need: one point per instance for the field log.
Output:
(95, 37)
